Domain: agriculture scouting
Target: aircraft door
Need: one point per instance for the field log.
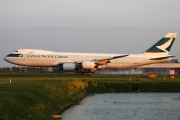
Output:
(23, 57)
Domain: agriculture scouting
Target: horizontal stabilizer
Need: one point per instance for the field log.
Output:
(161, 58)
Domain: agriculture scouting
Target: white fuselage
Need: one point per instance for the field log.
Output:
(42, 58)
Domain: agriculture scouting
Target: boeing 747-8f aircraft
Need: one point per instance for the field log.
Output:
(90, 62)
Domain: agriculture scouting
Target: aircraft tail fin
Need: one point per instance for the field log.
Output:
(163, 46)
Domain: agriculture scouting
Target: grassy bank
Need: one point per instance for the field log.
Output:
(38, 97)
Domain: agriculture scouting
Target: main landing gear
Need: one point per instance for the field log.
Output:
(87, 72)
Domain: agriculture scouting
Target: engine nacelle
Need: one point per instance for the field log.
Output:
(69, 66)
(88, 65)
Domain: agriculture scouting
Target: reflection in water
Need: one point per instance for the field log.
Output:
(123, 106)
(176, 98)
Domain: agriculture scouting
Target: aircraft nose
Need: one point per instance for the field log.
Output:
(5, 58)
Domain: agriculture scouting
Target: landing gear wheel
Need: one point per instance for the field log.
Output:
(20, 69)
(83, 73)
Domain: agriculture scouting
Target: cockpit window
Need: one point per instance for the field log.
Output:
(15, 55)
(15, 51)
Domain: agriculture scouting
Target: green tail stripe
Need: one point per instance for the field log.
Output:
(161, 42)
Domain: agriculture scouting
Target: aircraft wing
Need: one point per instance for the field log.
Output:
(104, 61)
(161, 58)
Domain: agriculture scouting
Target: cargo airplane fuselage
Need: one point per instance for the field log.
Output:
(90, 62)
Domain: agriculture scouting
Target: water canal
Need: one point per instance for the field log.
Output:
(126, 106)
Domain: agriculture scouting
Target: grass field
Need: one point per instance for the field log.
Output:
(37, 97)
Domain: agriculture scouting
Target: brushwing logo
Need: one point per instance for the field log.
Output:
(164, 46)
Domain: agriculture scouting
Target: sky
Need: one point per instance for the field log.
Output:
(92, 26)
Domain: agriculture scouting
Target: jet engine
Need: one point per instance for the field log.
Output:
(88, 65)
(69, 66)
